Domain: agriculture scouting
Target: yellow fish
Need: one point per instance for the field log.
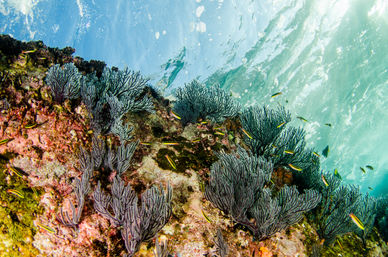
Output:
(170, 161)
(246, 133)
(15, 192)
(294, 167)
(324, 180)
(196, 140)
(362, 169)
(206, 217)
(175, 115)
(4, 141)
(281, 124)
(203, 122)
(145, 143)
(219, 133)
(276, 94)
(316, 154)
(47, 228)
(31, 126)
(357, 221)
(170, 143)
(29, 51)
(15, 171)
(289, 151)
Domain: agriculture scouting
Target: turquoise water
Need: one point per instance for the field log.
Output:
(328, 58)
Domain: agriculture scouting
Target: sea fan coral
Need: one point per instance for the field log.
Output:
(64, 82)
(112, 95)
(196, 101)
(237, 188)
(142, 224)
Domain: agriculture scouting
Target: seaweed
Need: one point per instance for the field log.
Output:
(196, 101)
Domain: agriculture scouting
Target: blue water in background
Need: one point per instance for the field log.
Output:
(328, 58)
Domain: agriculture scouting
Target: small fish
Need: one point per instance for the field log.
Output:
(281, 124)
(47, 228)
(42, 58)
(196, 140)
(175, 115)
(246, 133)
(363, 170)
(326, 151)
(289, 151)
(218, 128)
(170, 143)
(328, 124)
(203, 122)
(170, 161)
(276, 94)
(340, 245)
(370, 188)
(336, 173)
(145, 143)
(369, 167)
(15, 171)
(357, 221)
(5, 141)
(206, 217)
(29, 51)
(31, 126)
(316, 154)
(274, 146)
(15, 192)
(324, 180)
(294, 167)
(301, 118)
(219, 133)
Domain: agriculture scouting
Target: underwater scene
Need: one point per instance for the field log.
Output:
(251, 128)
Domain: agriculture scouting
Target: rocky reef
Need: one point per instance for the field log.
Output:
(40, 149)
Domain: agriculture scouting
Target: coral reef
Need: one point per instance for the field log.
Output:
(120, 136)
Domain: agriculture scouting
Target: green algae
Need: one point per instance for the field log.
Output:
(17, 214)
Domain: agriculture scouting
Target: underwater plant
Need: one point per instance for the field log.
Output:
(196, 101)
(366, 212)
(221, 246)
(64, 82)
(381, 221)
(118, 202)
(139, 224)
(142, 224)
(112, 95)
(237, 187)
(266, 134)
(82, 188)
(263, 127)
(338, 202)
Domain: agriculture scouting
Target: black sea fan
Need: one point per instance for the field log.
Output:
(64, 82)
(196, 101)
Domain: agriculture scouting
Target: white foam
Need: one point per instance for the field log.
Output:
(80, 8)
(199, 11)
